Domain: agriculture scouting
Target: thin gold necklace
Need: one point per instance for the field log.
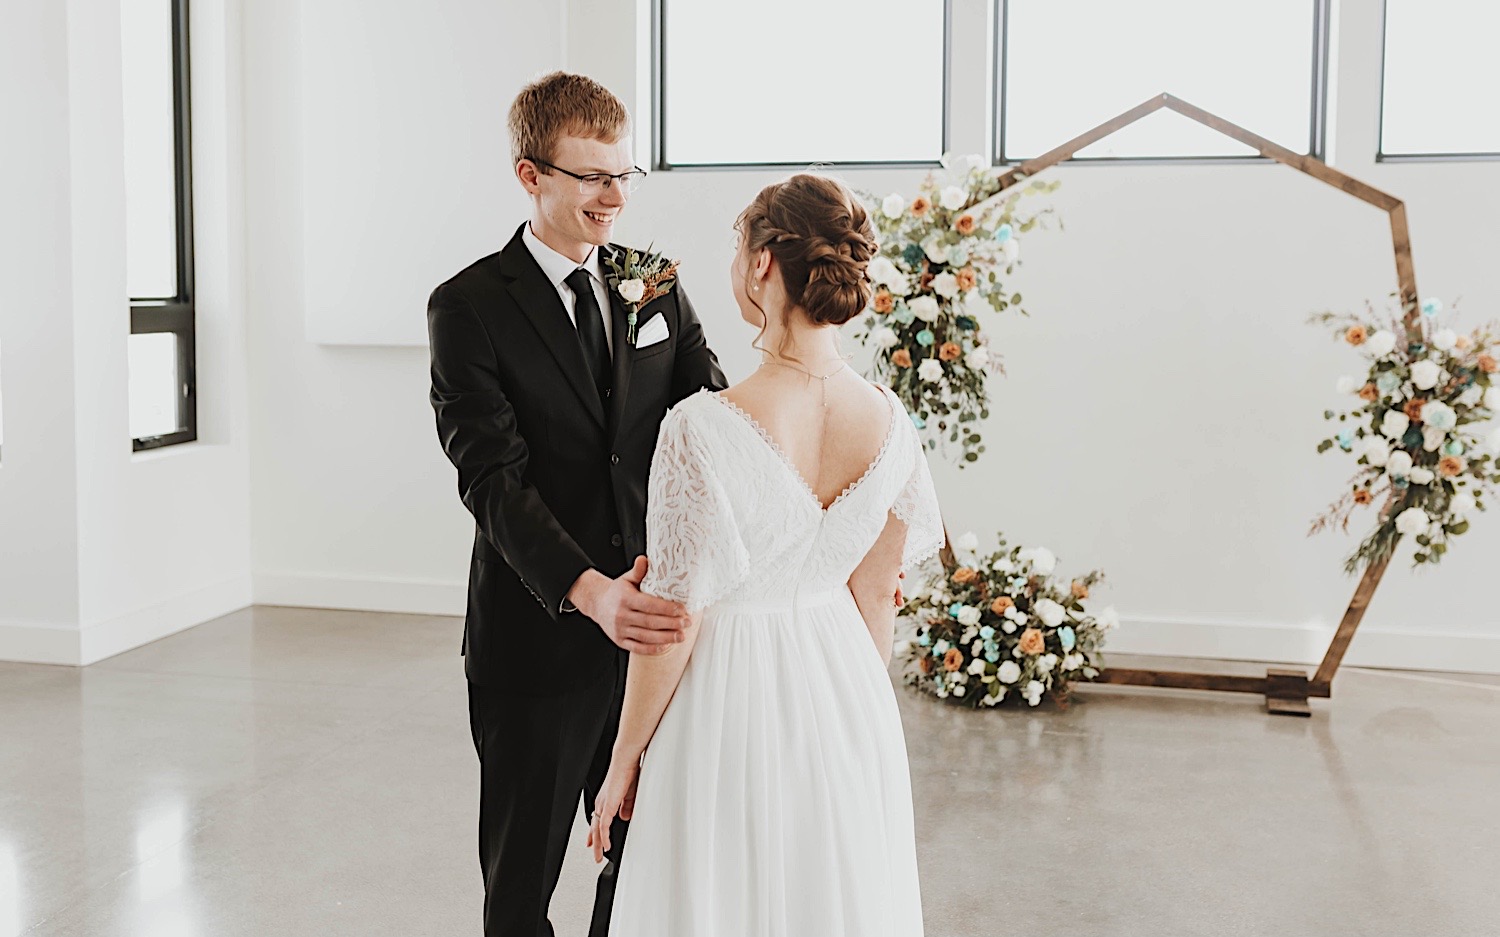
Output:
(821, 378)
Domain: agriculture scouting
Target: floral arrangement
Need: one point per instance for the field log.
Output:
(940, 270)
(638, 278)
(1412, 427)
(1004, 623)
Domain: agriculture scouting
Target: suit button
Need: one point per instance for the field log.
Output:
(616, 540)
(614, 458)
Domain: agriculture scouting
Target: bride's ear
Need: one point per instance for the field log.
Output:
(763, 262)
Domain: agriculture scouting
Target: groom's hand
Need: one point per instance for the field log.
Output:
(635, 621)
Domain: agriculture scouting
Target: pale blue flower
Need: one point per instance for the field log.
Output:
(1387, 381)
(1454, 448)
(925, 338)
(1003, 233)
(918, 422)
(955, 608)
(993, 656)
(1431, 307)
(1067, 637)
(924, 639)
(904, 315)
(986, 632)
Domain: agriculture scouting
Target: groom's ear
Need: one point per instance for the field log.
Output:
(526, 171)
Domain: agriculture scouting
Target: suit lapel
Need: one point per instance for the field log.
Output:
(539, 302)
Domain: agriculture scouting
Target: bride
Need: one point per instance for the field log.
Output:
(761, 761)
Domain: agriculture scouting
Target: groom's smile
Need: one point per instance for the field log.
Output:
(570, 214)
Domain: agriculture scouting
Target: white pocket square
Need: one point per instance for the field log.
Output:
(652, 332)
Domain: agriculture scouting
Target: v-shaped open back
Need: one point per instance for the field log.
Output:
(791, 467)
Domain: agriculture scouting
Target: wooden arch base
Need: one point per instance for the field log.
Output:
(1286, 691)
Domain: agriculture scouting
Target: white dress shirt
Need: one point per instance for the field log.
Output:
(558, 268)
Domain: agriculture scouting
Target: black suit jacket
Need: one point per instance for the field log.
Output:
(555, 477)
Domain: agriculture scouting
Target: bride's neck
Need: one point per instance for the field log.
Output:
(808, 345)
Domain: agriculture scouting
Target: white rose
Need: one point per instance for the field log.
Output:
(1432, 438)
(1472, 396)
(936, 250)
(1042, 560)
(958, 255)
(1377, 450)
(1021, 618)
(978, 358)
(1492, 399)
(1009, 672)
(894, 205)
(1003, 565)
(976, 667)
(1012, 250)
(1399, 464)
(953, 198)
(969, 542)
(1425, 374)
(1010, 613)
(959, 690)
(968, 615)
(1347, 385)
(632, 290)
(885, 338)
(1008, 626)
(945, 285)
(1109, 619)
(1381, 343)
(926, 308)
(1412, 521)
(881, 270)
(1420, 476)
(1444, 339)
(930, 370)
(1395, 424)
(1072, 662)
(1462, 503)
(1046, 662)
(1033, 692)
(1049, 612)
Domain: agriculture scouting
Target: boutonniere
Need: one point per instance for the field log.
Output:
(641, 278)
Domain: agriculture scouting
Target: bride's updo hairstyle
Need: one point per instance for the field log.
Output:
(821, 237)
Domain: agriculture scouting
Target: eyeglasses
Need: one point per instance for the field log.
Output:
(595, 182)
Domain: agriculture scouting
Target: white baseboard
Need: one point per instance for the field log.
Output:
(410, 596)
(63, 644)
(1384, 648)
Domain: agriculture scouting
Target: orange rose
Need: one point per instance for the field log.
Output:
(1080, 591)
(1369, 392)
(884, 302)
(1001, 604)
(926, 665)
(964, 575)
(1464, 343)
(1356, 335)
(949, 351)
(1451, 465)
(1414, 407)
(919, 206)
(901, 358)
(953, 660)
(966, 278)
(1032, 642)
(964, 224)
(1487, 364)
(1363, 496)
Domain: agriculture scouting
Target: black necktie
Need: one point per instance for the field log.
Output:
(590, 327)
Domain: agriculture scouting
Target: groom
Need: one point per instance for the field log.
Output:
(548, 402)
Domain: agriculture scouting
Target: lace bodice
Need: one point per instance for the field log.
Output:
(729, 518)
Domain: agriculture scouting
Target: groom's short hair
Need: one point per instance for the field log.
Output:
(563, 104)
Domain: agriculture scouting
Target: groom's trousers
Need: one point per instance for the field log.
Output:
(538, 755)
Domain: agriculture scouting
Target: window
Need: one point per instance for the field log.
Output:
(1440, 78)
(158, 222)
(801, 82)
(1066, 66)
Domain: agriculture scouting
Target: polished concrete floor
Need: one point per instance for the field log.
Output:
(301, 772)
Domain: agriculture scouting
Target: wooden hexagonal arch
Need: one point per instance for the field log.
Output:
(1286, 691)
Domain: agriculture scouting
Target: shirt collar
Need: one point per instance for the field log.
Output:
(558, 267)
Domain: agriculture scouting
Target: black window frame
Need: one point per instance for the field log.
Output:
(175, 314)
(1381, 156)
(1318, 123)
(659, 157)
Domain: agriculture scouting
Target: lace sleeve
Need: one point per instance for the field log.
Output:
(693, 544)
(916, 506)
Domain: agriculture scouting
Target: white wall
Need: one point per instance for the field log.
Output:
(132, 546)
(1159, 419)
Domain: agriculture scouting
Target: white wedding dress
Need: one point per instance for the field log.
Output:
(775, 797)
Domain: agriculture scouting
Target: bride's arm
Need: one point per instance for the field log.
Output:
(651, 681)
(875, 582)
